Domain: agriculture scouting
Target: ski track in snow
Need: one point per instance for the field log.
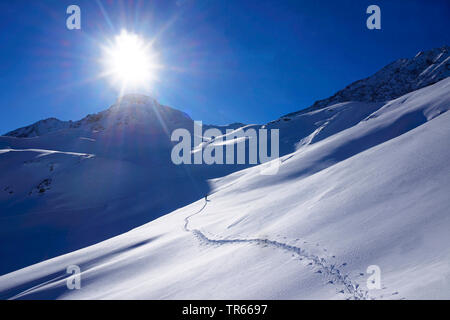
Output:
(332, 273)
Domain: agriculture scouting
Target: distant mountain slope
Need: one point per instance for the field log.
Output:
(39, 128)
(394, 80)
(132, 108)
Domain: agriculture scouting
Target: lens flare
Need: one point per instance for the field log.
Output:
(130, 62)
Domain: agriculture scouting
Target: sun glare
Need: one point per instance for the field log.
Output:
(130, 62)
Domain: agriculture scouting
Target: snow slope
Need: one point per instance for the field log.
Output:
(394, 80)
(358, 189)
(77, 184)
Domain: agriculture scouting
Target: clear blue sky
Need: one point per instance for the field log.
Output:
(225, 60)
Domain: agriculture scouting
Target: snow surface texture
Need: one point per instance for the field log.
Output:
(79, 185)
(366, 195)
(360, 183)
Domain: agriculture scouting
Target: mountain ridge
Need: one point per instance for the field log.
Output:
(118, 111)
(397, 78)
(392, 81)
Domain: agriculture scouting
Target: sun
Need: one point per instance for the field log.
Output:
(130, 62)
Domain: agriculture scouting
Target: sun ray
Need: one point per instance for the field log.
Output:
(130, 62)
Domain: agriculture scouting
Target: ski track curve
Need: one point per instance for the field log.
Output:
(332, 273)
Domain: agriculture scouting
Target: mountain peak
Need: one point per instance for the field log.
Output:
(394, 80)
(135, 98)
(128, 110)
(39, 128)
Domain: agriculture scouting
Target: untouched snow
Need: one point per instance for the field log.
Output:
(357, 190)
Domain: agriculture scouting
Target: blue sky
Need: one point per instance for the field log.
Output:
(224, 60)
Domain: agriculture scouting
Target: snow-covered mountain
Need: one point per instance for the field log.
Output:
(82, 182)
(135, 110)
(395, 79)
(361, 182)
(131, 109)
